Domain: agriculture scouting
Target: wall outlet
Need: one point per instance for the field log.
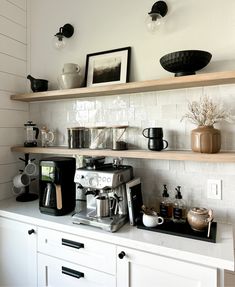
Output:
(214, 189)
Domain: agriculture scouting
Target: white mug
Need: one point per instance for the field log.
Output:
(21, 180)
(152, 220)
(17, 191)
(31, 169)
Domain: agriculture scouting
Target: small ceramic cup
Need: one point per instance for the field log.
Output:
(21, 180)
(31, 169)
(152, 220)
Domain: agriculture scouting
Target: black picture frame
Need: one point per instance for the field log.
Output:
(108, 67)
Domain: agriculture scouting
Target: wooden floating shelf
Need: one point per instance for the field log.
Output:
(209, 79)
(143, 154)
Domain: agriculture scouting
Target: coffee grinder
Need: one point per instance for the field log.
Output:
(56, 185)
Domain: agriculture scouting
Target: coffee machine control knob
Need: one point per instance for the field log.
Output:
(93, 182)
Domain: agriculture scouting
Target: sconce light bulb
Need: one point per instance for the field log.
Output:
(153, 21)
(60, 38)
(59, 42)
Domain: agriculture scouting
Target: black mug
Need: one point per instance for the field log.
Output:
(157, 144)
(152, 133)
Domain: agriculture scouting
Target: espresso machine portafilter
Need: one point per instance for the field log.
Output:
(104, 188)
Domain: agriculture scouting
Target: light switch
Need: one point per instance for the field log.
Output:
(214, 189)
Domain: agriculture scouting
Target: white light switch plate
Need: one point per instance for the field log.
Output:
(214, 189)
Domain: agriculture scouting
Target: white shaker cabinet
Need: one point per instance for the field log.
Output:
(18, 254)
(57, 253)
(55, 272)
(137, 269)
(70, 260)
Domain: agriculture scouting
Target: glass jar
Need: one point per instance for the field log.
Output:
(119, 138)
(77, 137)
(99, 137)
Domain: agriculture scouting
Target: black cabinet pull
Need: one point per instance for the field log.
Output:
(122, 254)
(31, 231)
(71, 272)
(72, 244)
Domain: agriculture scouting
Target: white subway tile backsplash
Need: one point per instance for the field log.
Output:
(177, 165)
(84, 105)
(165, 97)
(141, 114)
(163, 109)
(193, 94)
(155, 165)
(154, 113)
(149, 99)
(168, 111)
(135, 100)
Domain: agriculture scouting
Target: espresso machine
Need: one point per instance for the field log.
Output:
(102, 194)
(56, 185)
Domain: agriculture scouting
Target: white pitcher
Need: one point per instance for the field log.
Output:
(71, 68)
(70, 77)
(47, 136)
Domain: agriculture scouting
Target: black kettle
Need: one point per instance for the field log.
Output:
(38, 85)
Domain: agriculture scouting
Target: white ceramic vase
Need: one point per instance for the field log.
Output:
(71, 77)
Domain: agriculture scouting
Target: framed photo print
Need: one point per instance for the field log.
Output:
(108, 67)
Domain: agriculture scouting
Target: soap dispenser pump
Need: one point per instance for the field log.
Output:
(179, 207)
(166, 204)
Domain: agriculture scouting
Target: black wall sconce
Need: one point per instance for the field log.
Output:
(64, 32)
(154, 18)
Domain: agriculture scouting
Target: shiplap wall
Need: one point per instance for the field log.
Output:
(13, 67)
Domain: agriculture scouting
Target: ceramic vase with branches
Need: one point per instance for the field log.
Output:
(205, 113)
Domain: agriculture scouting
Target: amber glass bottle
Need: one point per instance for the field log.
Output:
(166, 205)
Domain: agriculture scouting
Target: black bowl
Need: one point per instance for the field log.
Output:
(186, 62)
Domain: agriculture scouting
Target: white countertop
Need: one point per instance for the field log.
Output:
(219, 254)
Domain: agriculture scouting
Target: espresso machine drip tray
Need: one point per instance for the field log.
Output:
(88, 217)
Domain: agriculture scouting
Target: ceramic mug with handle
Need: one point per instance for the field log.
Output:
(153, 133)
(152, 220)
(21, 180)
(31, 169)
(157, 144)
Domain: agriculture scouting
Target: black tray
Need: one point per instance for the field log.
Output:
(183, 230)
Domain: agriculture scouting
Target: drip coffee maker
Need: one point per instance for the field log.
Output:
(56, 185)
(104, 187)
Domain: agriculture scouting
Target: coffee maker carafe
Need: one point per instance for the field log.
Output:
(56, 185)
